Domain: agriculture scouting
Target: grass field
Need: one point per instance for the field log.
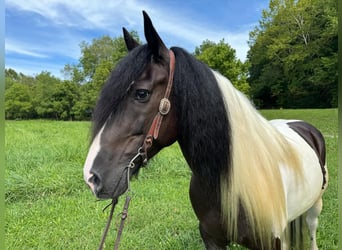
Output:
(48, 206)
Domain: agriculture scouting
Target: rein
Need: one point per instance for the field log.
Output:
(164, 109)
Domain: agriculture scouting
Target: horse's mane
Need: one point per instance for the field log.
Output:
(259, 151)
(231, 146)
(204, 132)
(127, 70)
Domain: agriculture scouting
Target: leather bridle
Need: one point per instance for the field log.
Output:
(164, 109)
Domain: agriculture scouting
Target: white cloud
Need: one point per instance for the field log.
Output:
(80, 13)
(195, 33)
(32, 68)
(13, 47)
(73, 19)
(108, 14)
(62, 44)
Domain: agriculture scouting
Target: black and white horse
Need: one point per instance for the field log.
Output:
(252, 180)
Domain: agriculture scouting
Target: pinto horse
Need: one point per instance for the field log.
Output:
(254, 182)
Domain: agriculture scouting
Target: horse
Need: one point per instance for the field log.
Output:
(254, 182)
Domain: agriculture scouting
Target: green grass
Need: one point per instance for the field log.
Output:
(48, 206)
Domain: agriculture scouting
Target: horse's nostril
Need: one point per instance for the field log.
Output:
(96, 180)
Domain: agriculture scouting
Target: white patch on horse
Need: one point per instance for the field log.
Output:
(93, 151)
(306, 191)
(297, 169)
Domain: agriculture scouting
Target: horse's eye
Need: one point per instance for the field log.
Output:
(142, 95)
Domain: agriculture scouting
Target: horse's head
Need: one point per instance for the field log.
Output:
(128, 116)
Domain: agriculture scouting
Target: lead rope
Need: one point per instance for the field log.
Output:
(105, 232)
(124, 213)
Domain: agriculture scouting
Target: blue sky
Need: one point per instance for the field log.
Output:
(45, 35)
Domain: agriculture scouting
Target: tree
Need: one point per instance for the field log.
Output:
(43, 89)
(45, 96)
(221, 57)
(64, 97)
(18, 95)
(97, 60)
(18, 102)
(104, 52)
(84, 105)
(292, 55)
(42, 96)
(54, 98)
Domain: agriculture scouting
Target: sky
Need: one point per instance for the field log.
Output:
(45, 35)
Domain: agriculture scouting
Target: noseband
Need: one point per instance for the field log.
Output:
(153, 133)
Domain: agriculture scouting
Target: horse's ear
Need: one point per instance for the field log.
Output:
(131, 43)
(154, 42)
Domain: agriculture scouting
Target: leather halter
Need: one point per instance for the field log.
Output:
(164, 109)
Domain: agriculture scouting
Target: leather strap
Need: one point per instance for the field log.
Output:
(164, 108)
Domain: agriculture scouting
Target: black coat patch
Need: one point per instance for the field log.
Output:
(315, 139)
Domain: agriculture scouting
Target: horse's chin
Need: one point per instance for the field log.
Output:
(115, 195)
(120, 190)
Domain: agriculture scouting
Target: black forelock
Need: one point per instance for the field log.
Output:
(204, 130)
(115, 89)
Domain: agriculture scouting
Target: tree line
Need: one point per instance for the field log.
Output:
(291, 63)
(293, 55)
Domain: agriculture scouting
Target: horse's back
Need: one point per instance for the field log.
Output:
(302, 191)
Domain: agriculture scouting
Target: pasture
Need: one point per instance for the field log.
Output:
(48, 205)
